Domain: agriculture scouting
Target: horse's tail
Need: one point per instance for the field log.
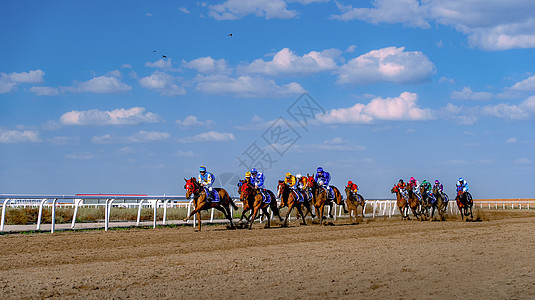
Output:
(232, 203)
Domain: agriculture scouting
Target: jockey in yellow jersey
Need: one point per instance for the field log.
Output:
(291, 181)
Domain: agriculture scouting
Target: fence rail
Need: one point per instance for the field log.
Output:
(379, 207)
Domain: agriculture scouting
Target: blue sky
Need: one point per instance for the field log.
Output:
(387, 90)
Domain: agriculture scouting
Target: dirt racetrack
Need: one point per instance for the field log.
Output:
(379, 258)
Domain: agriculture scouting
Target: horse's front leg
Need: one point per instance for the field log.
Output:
(290, 207)
(302, 214)
(255, 212)
(199, 220)
(331, 210)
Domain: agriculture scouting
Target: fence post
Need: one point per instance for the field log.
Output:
(155, 213)
(4, 206)
(53, 215)
(76, 204)
(139, 211)
(40, 215)
(165, 211)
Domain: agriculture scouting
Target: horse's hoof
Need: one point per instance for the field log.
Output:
(304, 224)
(331, 216)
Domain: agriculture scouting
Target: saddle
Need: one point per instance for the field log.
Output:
(214, 195)
(299, 196)
(266, 198)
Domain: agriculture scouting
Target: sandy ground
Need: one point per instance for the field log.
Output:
(379, 258)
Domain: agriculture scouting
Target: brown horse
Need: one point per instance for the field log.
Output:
(464, 203)
(321, 198)
(402, 202)
(441, 205)
(253, 197)
(414, 203)
(248, 202)
(425, 204)
(289, 198)
(200, 201)
(353, 202)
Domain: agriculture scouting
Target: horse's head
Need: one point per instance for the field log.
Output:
(246, 189)
(310, 181)
(192, 187)
(393, 190)
(280, 188)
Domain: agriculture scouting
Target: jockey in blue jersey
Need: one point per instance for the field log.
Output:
(462, 185)
(323, 178)
(257, 180)
(206, 179)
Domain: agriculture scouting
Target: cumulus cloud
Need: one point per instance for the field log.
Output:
(192, 121)
(131, 116)
(164, 83)
(245, 86)
(468, 94)
(9, 82)
(139, 137)
(489, 24)
(387, 65)
(19, 136)
(512, 140)
(108, 84)
(408, 12)
(210, 136)
(286, 62)
(236, 9)
(525, 85)
(403, 107)
(523, 111)
(184, 10)
(160, 64)
(207, 65)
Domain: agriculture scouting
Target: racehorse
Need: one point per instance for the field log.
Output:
(353, 202)
(253, 197)
(441, 204)
(426, 203)
(464, 202)
(321, 198)
(200, 201)
(247, 202)
(289, 198)
(402, 202)
(414, 203)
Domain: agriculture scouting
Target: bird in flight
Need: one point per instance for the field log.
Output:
(164, 56)
(230, 35)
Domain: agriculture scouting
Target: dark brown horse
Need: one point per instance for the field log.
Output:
(200, 201)
(289, 198)
(253, 197)
(464, 203)
(414, 203)
(441, 205)
(354, 200)
(402, 202)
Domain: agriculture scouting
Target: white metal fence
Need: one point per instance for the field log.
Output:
(379, 207)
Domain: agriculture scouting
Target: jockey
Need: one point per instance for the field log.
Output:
(400, 186)
(462, 185)
(290, 181)
(439, 186)
(428, 190)
(206, 179)
(247, 178)
(257, 180)
(353, 186)
(323, 178)
(415, 186)
(302, 186)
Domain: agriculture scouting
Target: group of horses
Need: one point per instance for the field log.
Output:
(306, 201)
(423, 206)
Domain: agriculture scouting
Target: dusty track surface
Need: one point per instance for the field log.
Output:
(491, 259)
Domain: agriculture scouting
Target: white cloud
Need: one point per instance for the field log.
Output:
(210, 136)
(523, 161)
(523, 111)
(160, 63)
(512, 140)
(164, 83)
(338, 144)
(446, 80)
(102, 84)
(64, 140)
(459, 114)
(185, 153)
(208, 65)
(408, 12)
(139, 137)
(403, 107)
(8, 82)
(468, 94)
(236, 9)
(44, 91)
(192, 121)
(387, 65)
(80, 156)
(19, 136)
(184, 10)
(489, 24)
(131, 116)
(286, 62)
(525, 85)
(245, 86)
